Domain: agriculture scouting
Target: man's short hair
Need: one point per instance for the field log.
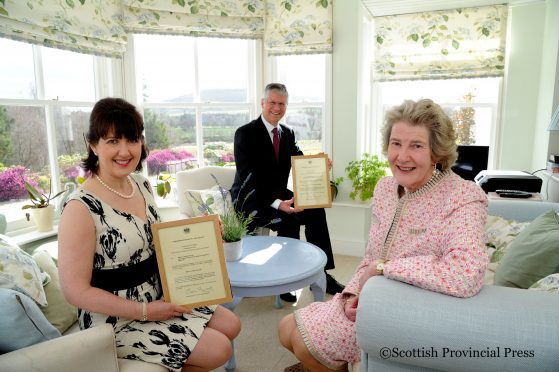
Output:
(280, 88)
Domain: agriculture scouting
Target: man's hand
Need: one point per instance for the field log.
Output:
(286, 206)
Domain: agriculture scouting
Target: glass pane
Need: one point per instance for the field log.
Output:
(71, 127)
(218, 128)
(304, 77)
(165, 67)
(472, 124)
(307, 125)
(16, 70)
(171, 139)
(68, 76)
(223, 71)
(23, 156)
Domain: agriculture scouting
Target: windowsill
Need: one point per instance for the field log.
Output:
(29, 235)
(353, 204)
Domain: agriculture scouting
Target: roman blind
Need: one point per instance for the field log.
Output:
(458, 43)
(101, 27)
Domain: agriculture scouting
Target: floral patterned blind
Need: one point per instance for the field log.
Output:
(298, 26)
(100, 27)
(459, 43)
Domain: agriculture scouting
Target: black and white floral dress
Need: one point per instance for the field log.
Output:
(125, 240)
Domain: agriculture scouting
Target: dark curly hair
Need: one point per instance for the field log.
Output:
(117, 116)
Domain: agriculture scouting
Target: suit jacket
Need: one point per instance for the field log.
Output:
(258, 169)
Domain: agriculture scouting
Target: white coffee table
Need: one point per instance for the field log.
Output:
(272, 265)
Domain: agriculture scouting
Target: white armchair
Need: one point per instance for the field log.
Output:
(200, 179)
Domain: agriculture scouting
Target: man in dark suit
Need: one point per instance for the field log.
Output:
(263, 150)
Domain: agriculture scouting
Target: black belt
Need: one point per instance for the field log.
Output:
(124, 277)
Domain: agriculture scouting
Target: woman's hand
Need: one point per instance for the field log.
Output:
(370, 271)
(350, 307)
(161, 310)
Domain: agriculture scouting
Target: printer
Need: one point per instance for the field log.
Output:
(492, 180)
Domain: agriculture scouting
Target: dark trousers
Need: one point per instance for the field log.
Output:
(316, 229)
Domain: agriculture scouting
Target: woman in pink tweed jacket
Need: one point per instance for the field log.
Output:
(427, 230)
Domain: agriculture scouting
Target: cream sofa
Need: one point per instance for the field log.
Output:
(404, 328)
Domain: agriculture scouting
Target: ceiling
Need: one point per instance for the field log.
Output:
(390, 7)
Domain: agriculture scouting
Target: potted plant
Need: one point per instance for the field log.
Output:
(364, 175)
(41, 209)
(163, 187)
(334, 186)
(235, 224)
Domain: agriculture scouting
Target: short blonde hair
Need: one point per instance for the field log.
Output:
(425, 112)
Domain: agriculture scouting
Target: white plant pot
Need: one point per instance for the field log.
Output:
(233, 250)
(43, 218)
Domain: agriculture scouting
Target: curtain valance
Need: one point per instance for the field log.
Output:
(459, 43)
(100, 26)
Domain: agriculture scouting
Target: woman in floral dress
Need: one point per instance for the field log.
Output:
(107, 260)
(427, 230)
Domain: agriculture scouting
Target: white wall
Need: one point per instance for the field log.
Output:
(529, 84)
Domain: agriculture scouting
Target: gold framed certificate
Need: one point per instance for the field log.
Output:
(311, 181)
(191, 262)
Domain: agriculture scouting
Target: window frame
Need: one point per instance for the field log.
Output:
(103, 82)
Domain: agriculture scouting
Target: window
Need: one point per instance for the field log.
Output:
(45, 101)
(306, 79)
(472, 104)
(195, 92)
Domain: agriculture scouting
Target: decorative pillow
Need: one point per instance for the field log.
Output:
(21, 322)
(549, 284)
(499, 233)
(20, 272)
(58, 311)
(213, 198)
(534, 253)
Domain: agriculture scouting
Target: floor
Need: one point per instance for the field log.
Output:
(257, 347)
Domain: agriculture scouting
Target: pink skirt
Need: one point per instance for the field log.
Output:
(328, 333)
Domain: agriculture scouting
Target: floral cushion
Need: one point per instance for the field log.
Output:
(20, 272)
(213, 198)
(549, 284)
(499, 233)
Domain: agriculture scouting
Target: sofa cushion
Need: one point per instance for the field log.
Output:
(213, 198)
(58, 311)
(549, 284)
(21, 322)
(20, 272)
(534, 253)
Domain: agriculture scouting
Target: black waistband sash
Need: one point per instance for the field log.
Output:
(124, 277)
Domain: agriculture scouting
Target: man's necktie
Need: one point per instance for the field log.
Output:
(275, 142)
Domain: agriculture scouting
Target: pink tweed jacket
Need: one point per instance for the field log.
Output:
(433, 238)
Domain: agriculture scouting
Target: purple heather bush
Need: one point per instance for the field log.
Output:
(13, 180)
(158, 159)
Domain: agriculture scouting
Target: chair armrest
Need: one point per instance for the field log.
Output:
(485, 329)
(91, 350)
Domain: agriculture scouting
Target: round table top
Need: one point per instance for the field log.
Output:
(274, 260)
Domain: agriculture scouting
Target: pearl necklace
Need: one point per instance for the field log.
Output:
(116, 192)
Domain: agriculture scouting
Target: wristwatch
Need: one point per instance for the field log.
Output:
(380, 267)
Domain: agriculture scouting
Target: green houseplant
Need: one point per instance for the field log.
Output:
(41, 209)
(235, 224)
(364, 175)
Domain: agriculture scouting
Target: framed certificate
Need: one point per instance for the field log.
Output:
(311, 181)
(191, 261)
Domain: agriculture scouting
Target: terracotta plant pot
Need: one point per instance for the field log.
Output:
(233, 250)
